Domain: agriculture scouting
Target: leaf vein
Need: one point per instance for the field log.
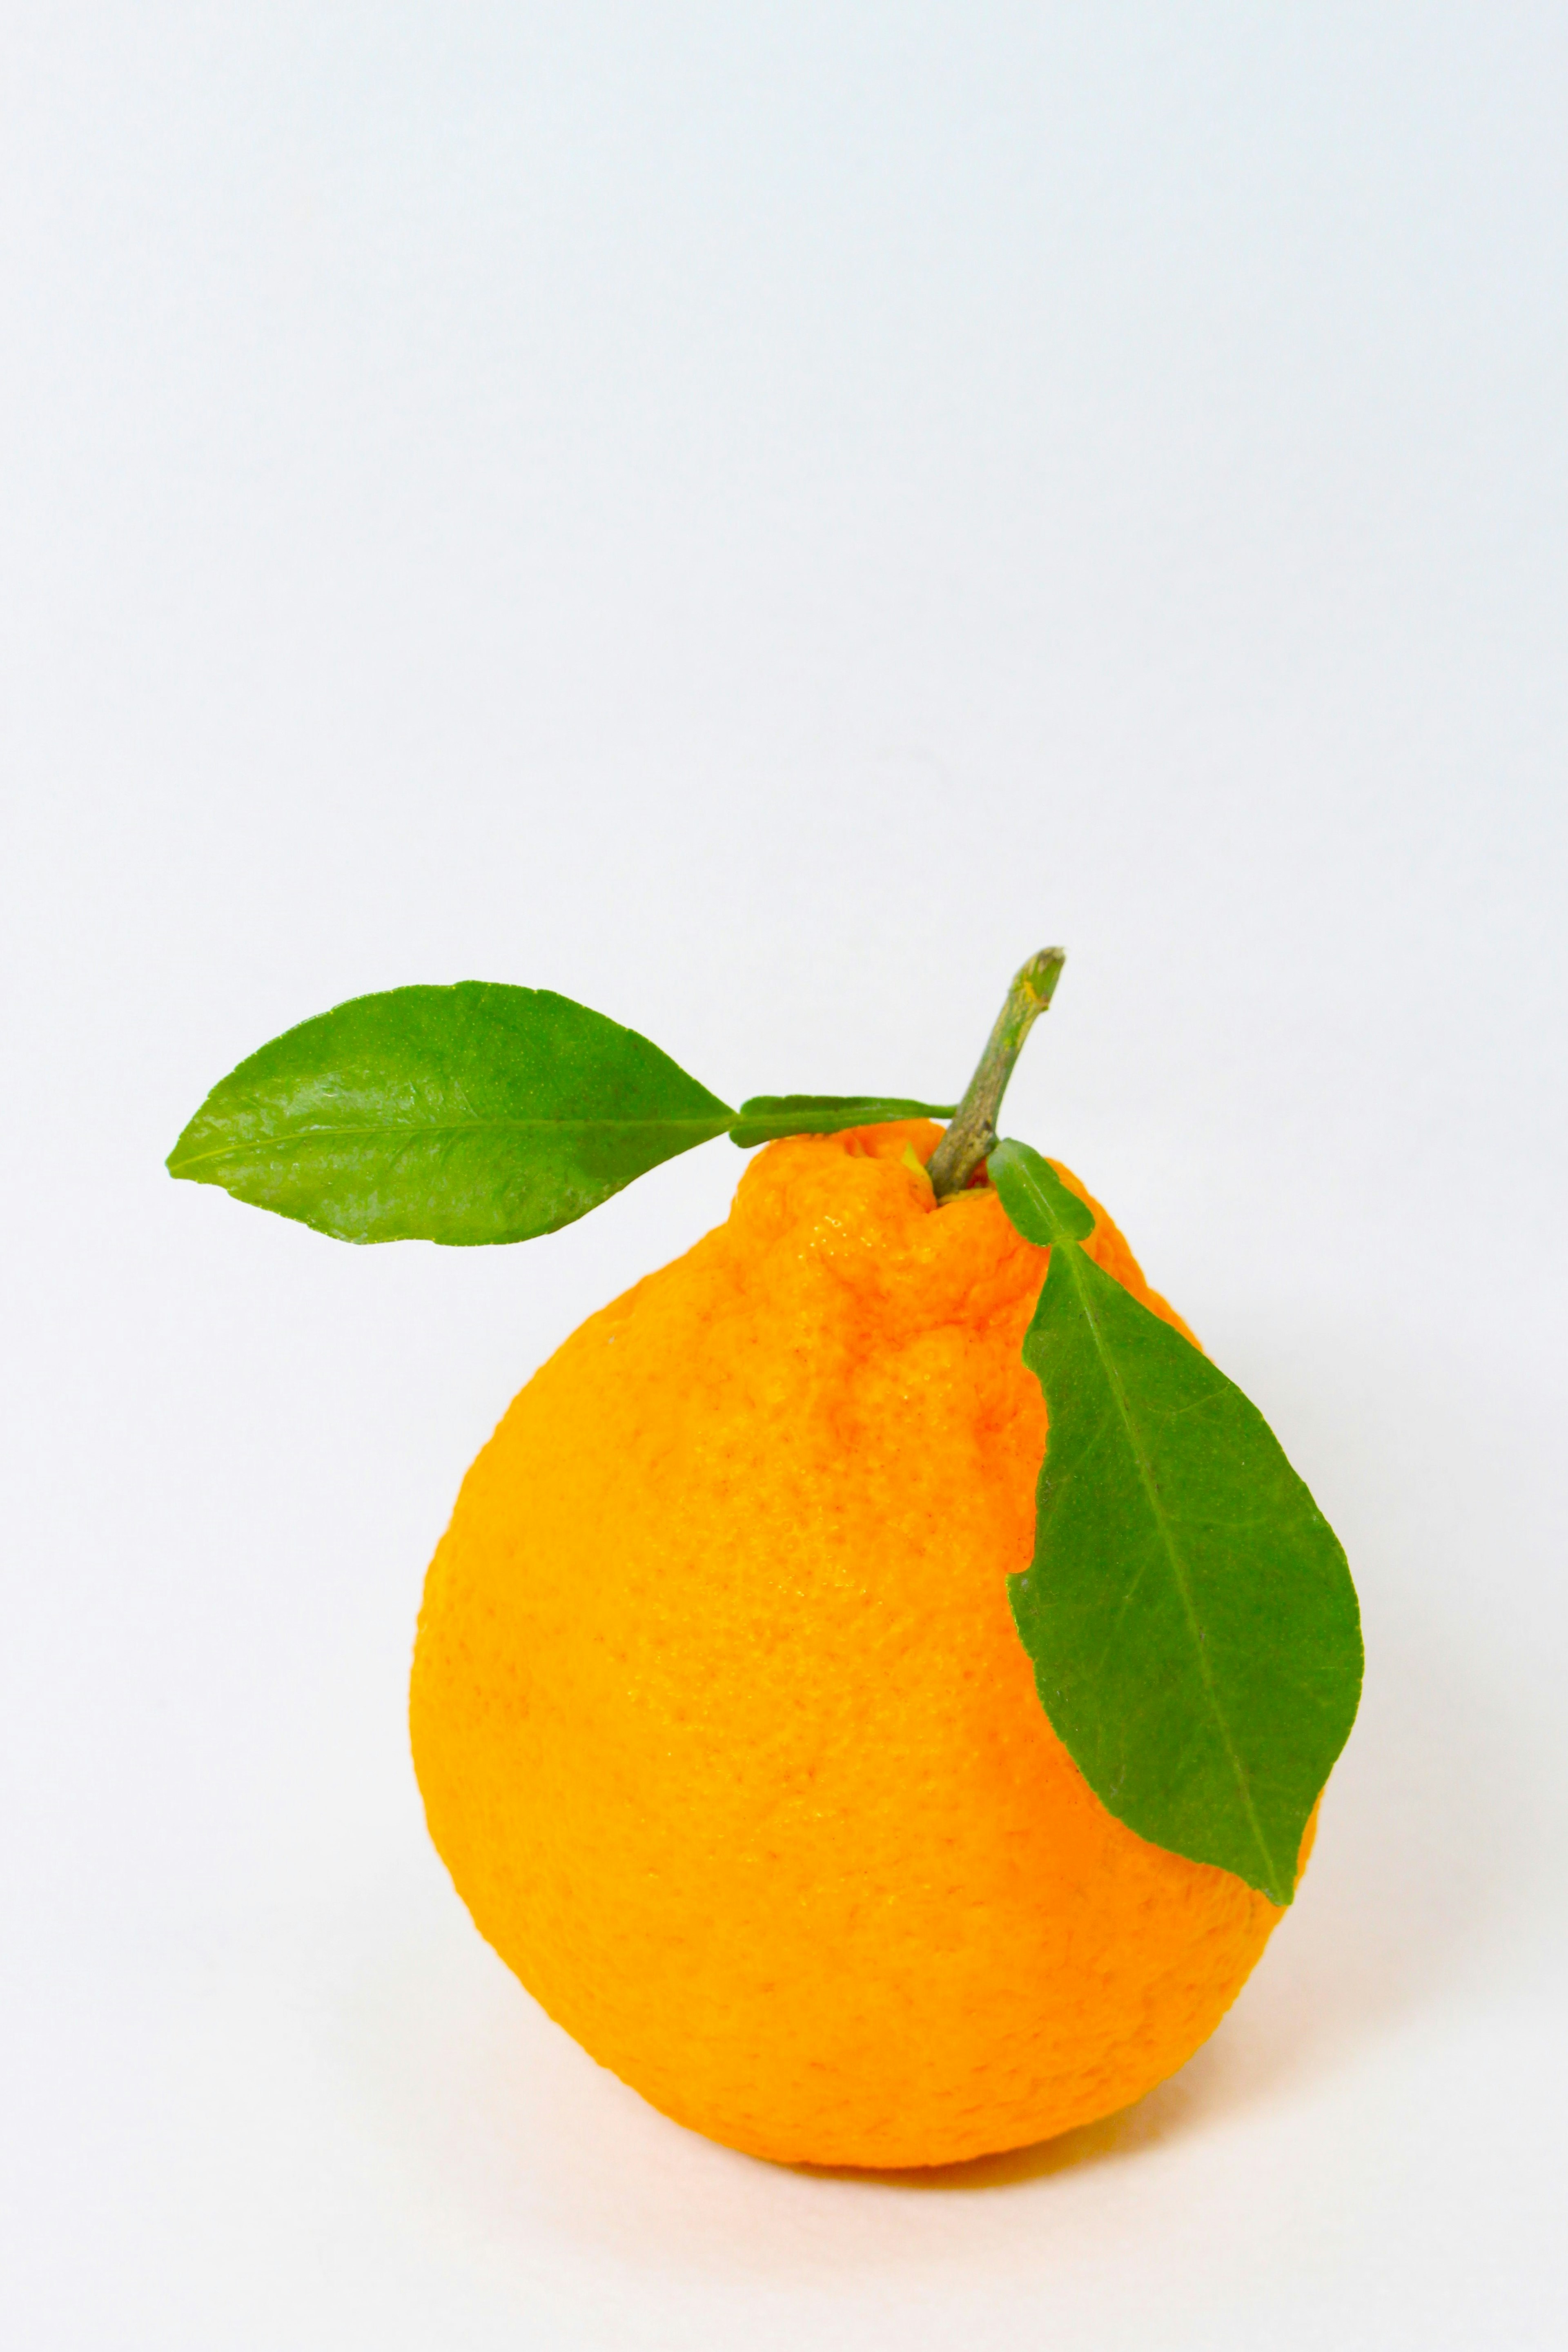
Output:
(1071, 1251)
(406, 1135)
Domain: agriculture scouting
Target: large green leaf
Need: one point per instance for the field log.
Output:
(764, 1118)
(1189, 1612)
(477, 1113)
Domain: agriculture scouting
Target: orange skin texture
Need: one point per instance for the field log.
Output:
(723, 1724)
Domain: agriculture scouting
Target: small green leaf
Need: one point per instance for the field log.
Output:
(764, 1118)
(1189, 1612)
(471, 1114)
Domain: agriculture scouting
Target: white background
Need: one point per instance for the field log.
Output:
(758, 517)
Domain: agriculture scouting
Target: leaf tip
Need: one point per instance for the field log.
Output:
(177, 1165)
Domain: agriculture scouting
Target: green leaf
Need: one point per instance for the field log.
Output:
(764, 1118)
(1189, 1612)
(477, 1113)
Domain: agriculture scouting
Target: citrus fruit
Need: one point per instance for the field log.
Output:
(722, 1725)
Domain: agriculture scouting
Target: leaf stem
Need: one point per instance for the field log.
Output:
(974, 1130)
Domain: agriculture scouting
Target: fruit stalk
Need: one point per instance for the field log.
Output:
(974, 1130)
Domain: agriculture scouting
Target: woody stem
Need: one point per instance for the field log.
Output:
(974, 1129)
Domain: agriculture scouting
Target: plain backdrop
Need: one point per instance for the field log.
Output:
(758, 517)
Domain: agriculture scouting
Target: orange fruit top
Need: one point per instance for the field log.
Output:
(724, 1730)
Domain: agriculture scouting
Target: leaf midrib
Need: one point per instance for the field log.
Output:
(1178, 1574)
(411, 1133)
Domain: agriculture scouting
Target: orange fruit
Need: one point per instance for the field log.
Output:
(722, 1725)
